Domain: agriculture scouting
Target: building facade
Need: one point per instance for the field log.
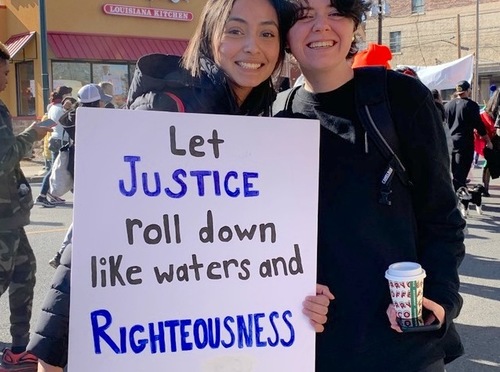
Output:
(89, 41)
(433, 32)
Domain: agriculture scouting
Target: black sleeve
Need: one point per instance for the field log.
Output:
(439, 222)
(475, 117)
(49, 341)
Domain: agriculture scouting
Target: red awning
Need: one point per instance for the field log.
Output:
(18, 42)
(110, 47)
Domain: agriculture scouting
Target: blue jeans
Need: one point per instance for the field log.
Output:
(46, 179)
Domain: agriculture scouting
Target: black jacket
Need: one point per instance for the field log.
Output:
(462, 115)
(158, 74)
(49, 339)
(358, 237)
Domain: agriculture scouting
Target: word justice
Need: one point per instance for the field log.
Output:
(183, 183)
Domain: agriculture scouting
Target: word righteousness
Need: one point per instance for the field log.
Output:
(241, 331)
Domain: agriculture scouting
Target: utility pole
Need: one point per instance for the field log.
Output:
(475, 92)
(380, 15)
(43, 54)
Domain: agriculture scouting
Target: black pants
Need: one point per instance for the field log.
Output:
(461, 161)
(437, 366)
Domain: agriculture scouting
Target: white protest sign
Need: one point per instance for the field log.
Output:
(194, 242)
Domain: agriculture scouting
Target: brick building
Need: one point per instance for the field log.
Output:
(432, 32)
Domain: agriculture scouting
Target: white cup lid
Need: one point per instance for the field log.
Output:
(404, 270)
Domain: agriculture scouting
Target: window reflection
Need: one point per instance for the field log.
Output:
(77, 74)
(25, 88)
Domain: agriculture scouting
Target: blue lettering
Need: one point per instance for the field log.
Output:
(247, 185)
(99, 331)
(244, 332)
(217, 183)
(140, 345)
(236, 192)
(228, 328)
(214, 336)
(133, 176)
(172, 324)
(272, 316)
(123, 340)
(145, 185)
(157, 338)
(200, 174)
(175, 176)
(185, 345)
(288, 314)
(258, 330)
(200, 343)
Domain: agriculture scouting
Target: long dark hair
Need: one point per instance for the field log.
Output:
(492, 107)
(211, 27)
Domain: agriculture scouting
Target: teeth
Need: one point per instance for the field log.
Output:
(321, 44)
(252, 66)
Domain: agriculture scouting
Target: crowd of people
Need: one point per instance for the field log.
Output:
(228, 68)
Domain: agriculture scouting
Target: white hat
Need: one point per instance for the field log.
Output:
(91, 93)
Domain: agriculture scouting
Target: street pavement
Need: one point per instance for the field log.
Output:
(478, 323)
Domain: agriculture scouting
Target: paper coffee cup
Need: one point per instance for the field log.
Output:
(406, 284)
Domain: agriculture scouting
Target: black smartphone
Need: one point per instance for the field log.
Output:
(417, 325)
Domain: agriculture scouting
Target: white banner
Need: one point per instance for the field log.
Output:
(446, 75)
(194, 242)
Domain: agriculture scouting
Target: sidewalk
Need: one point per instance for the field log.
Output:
(33, 170)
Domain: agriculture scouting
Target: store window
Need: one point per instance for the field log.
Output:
(395, 41)
(25, 77)
(77, 74)
(71, 74)
(116, 74)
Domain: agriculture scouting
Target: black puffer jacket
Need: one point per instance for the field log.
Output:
(156, 75)
(49, 341)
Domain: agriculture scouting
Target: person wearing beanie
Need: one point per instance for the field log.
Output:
(17, 261)
(374, 55)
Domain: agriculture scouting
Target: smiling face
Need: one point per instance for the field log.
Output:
(320, 40)
(248, 50)
(4, 73)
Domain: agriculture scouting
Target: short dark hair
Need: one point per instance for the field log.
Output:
(353, 9)
(4, 53)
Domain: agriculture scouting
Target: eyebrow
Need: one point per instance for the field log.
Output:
(264, 23)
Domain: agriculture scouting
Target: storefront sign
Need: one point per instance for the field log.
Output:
(143, 12)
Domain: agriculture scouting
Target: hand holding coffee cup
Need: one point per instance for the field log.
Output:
(406, 285)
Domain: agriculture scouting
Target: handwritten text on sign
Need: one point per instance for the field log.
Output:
(208, 246)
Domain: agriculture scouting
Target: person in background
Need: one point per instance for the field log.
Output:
(438, 101)
(90, 95)
(462, 116)
(421, 223)
(226, 69)
(56, 141)
(488, 116)
(107, 87)
(17, 261)
(373, 55)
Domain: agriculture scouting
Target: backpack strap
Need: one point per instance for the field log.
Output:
(373, 109)
(284, 100)
(178, 102)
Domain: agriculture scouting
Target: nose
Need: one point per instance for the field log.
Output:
(321, 23)
(251, 45)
